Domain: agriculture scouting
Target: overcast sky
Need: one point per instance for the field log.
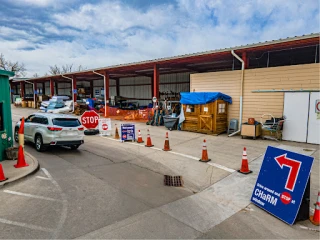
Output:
(94, 33)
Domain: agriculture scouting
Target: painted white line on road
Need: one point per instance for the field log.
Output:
(30, 226)
(184, 155)
(31, 195)
(310, 229)
(221, 167)
(44, 178)
(64, 211)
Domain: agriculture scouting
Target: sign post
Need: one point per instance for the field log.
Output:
(281, 183)
(90, 119)
(128, 132)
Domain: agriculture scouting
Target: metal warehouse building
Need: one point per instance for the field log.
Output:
(278, 77)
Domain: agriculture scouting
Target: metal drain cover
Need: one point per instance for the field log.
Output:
(173, 181)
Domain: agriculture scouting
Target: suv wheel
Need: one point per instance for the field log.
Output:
(16, 135)
(73, 147)
(39, 144)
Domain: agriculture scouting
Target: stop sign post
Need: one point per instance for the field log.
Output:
(90, 119)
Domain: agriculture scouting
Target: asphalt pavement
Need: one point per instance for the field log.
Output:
(108, 189)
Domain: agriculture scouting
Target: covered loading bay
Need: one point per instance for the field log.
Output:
(287, 64)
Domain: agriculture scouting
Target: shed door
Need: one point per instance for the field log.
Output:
(296, 108)
(314, 121)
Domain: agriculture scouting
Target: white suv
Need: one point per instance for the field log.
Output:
(49, 129)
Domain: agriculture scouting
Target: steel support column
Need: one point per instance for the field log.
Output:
(118, 86)
(11, 92)
(43, 88)
(156, 81)
(22, 91)
(91, 89)
(51, 87)
(35, 94)
(106, 93)
(74, 88)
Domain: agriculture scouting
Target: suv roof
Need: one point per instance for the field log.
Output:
(54, 115)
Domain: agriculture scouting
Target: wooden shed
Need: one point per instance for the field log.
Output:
(205, 112)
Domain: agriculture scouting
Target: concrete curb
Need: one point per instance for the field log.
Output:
(33, 169)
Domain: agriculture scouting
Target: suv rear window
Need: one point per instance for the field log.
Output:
(66, 122)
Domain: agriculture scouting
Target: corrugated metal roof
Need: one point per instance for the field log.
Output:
(241, 47)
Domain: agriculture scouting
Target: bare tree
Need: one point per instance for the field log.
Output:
(18, 68)
(55, 70)
(35, 75)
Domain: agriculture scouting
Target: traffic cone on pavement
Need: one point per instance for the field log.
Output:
(2, 177)
(139, 137)
(204, 157)
(149, 143)
(315, 219)
(116, 135)
(244, 165)
(166, 143)
(21, 133)
(21, 160)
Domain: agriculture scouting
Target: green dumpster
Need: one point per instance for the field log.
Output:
(6, 139)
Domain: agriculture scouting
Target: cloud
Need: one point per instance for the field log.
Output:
(112, 32)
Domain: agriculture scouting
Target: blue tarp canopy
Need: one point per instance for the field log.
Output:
(203, 97)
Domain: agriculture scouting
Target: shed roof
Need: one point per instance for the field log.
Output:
(185, 62)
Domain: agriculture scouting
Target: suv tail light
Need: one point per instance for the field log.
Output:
(80, 128)
(54, 128)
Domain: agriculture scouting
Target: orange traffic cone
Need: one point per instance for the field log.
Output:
(166, 143)
(21, 160)
(149, 143)
(2, 177)
(315, 219)
(139, 137)
(204, 157)
(116, 135)
(244, 165)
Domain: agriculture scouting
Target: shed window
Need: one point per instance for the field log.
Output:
(222, 108)
(190, 108)
(1, 117)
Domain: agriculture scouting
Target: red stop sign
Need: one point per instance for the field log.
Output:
(105, 127)
(90, 119)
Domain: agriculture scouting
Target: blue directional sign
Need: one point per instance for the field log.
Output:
(75, 91)
(281, 183)
(127, 132)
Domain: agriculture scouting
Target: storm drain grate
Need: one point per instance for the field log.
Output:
(173, 181)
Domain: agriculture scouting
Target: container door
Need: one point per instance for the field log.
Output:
(296, 108)
(314, 119)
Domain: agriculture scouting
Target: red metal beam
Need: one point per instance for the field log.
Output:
(107, 85)
(74, 88)
(156, 81)
(51, 87)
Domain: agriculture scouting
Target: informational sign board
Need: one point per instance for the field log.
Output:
(281, 183)
(75, 91)
(105, 126)
(128, 132)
